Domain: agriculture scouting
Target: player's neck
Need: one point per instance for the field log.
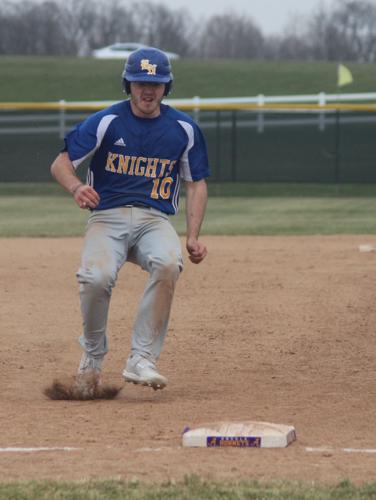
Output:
(145, 112)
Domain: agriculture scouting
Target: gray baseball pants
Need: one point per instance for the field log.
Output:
(145, 237)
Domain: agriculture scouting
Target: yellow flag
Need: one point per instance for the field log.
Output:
(344, 75)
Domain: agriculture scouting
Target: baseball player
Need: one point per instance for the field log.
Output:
(140, 152)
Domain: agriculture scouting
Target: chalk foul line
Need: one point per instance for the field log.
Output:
(345, 450)
(11, 449)
(40, 448)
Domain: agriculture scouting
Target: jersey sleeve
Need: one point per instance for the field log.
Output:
(194, 165)
(86, 137)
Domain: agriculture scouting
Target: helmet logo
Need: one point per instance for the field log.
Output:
(150, 68)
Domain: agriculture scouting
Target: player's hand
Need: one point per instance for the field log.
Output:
(197, 250)
(86, 197)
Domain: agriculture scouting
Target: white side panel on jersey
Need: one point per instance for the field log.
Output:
(101, 130)
(90, 178)
(185, 171)
(175, 196)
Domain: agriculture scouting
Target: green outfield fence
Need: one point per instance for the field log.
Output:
(310, 143)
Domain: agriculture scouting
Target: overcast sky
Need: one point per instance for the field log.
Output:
(269, 15)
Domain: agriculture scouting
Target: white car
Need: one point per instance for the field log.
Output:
(123, 50)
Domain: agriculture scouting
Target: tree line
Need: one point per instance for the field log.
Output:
(346, 31)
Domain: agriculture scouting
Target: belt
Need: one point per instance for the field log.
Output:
(137, 205)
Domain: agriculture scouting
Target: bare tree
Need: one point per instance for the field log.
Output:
(231, 35)
(90, 25)
(163, 27)
(31, 28)
(49, 34)
(76, 27)
(356, 24)
(291, 44)
(348, 32)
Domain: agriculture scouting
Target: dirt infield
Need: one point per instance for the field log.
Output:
(279, 329)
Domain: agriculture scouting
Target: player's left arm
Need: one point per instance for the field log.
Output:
(196, 201)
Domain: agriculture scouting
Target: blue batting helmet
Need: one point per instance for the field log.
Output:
(148, 64)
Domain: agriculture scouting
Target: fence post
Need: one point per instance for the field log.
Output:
(234, 147)
(337, 153)
(218, 144)
(322, 102)
(260, 115)
(196, 109)
(62, 119)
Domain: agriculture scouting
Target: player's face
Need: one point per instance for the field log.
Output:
(146, 98)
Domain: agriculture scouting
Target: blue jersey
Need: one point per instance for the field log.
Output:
(137, 160)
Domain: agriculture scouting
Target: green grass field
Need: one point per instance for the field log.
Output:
(191, 489)
(45, 210)
(55, 78)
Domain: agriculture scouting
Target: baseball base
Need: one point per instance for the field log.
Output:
(248, 434)
(367, 248)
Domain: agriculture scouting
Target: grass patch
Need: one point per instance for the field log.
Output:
(55, 216)
(41, 216)
(41, 78)
(290, 216)
(287, 190)
(31, 189)
(191, 488)
(223, 189)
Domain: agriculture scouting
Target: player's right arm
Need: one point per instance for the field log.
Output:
(63, 171)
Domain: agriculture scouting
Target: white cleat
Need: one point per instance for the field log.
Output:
(144, 373)
(89, 364)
